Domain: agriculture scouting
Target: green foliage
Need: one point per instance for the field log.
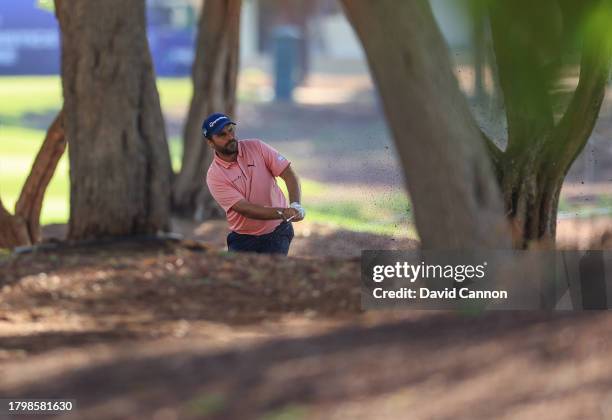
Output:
(537, 44)
(598, 23)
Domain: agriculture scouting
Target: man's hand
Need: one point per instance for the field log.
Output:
(257, 212)
(288, 214)
(301, 213)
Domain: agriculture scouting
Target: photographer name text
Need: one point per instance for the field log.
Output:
(410, 273)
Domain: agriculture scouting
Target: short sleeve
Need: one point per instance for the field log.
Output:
(275, 162)
(224, 193)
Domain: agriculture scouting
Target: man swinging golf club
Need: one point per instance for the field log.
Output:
(241, 178)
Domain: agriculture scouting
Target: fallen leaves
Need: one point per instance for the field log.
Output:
(101, 289)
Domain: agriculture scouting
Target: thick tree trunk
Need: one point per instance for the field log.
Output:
(531, 196)
(532, 178)
(456, 199)
(24, 227)
(215, 73)
(119, 160)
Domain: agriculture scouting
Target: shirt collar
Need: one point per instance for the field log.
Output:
(226, 164)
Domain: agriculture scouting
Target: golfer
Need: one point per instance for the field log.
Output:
(242, 180)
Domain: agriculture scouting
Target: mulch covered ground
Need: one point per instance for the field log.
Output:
(170, 329)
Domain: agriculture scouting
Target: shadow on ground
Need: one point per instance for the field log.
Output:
(519, 361)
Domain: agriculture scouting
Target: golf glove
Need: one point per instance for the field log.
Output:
(299, 208)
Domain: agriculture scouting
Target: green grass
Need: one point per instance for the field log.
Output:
(28, 95)
(174, 92)
(177, 92)
(382, 213)
(176, 152)
(605, 201)
(27, 100)
(586, 207)
(23, 95)
(24, 99)
(18, 148)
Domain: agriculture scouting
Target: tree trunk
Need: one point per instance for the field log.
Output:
(215, 73)
(13, 230)
(531, 195)
(456, 200)
(23, 228)
(119, 160)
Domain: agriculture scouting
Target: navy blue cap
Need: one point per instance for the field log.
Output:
(214, 123)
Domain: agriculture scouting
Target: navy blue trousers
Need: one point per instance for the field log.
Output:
(275, 242)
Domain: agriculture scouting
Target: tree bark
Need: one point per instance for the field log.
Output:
(13, 230)
(119, 160)
(456, 200)
(215, 73)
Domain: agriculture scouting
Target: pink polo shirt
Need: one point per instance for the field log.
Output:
(251, 177)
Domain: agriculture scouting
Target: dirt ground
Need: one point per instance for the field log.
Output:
(180, 330)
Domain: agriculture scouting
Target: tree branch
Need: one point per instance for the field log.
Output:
(13, 231)
(214, 77)
(575, 127)
(524, 69)
(29, 205)
(3, 210)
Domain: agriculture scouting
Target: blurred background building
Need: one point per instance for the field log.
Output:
(29, 39)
